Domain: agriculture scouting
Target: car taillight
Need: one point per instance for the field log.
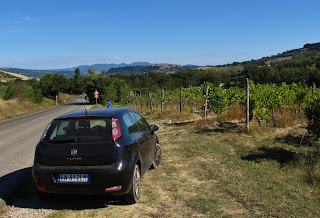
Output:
(116, 131)
(45, 132)
(113, 189)
(40, 188)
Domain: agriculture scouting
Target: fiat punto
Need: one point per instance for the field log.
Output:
(100, 151)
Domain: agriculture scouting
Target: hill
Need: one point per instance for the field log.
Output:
(307, 51)
(111, 69)
(6, 76)
(157, 68)
(68, 72)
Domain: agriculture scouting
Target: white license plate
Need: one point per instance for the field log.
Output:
(74, 178)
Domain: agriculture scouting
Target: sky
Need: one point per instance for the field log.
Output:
(47, 34)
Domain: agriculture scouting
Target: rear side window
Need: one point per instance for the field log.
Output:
(141, 122)
(131, 123)
(79, 131)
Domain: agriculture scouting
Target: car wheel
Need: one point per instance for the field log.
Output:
(134, 193)
(157, 157)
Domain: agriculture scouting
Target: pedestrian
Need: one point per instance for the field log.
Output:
(109, 104)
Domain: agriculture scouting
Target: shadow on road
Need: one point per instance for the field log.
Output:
(11, 182)
(25, 197)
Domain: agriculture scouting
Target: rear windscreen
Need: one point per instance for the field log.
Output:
(91, 130)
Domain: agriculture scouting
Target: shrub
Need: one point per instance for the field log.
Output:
(9, 91)
(313, 115)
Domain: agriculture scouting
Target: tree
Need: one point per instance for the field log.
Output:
(52, 84)
(78, 83)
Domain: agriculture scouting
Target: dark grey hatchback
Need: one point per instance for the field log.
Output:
(101, 151)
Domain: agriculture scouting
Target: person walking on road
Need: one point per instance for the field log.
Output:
(109, 104)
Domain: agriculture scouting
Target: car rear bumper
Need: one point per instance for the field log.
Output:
(102, 177)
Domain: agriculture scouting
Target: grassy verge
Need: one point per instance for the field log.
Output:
(18, 107)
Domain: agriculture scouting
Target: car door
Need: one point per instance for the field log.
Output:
(135, 135)
(149, 145)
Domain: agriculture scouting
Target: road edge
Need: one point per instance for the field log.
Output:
(2, 203)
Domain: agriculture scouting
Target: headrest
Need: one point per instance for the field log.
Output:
(84, 123)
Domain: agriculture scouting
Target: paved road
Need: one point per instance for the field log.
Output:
(18, 138)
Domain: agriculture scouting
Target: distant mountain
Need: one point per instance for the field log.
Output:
(69, 72)
(136, 67)
(99, 67)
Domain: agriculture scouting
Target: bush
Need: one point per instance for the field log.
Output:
(313, 116)
(9, 91)
(20, 90)
(35, 95)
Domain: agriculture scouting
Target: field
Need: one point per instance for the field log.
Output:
(17, 75)
(223, 69)
(209, 169)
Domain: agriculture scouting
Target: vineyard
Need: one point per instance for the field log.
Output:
(264, 99)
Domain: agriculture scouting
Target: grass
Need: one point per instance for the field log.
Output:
(18, 107)
(213, 169)
(2, 91)
(211, 173)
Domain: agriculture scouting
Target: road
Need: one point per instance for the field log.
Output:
(18, 138)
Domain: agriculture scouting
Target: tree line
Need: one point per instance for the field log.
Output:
(117, 87)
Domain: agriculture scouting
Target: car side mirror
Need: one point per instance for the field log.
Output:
(154, 128)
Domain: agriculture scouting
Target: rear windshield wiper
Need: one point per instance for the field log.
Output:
(62, 140)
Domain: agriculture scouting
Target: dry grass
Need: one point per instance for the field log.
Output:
(15, 107)
(236, 112)
(18, 107)
(17, 75)
(209, 169)
(278, 60)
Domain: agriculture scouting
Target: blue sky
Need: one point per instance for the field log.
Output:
(43, 34)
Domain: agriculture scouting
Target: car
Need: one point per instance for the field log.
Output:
(96, 152)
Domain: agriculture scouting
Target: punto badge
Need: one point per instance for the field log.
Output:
(74, 152)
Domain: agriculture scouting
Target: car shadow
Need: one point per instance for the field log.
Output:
(11, 182)
(25, 197)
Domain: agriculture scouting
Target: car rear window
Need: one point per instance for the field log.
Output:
(92, 130)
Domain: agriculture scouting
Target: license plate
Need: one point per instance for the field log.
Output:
(74, 178)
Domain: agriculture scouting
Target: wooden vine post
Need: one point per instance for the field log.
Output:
(150, 101)
(247, 105)
(206, 102)
(180, 99)
(140, 100)
(162, 99)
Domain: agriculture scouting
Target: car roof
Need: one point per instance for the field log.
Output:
(110, 112)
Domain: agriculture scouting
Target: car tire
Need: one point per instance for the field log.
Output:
(157, 157)
(134, 193)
